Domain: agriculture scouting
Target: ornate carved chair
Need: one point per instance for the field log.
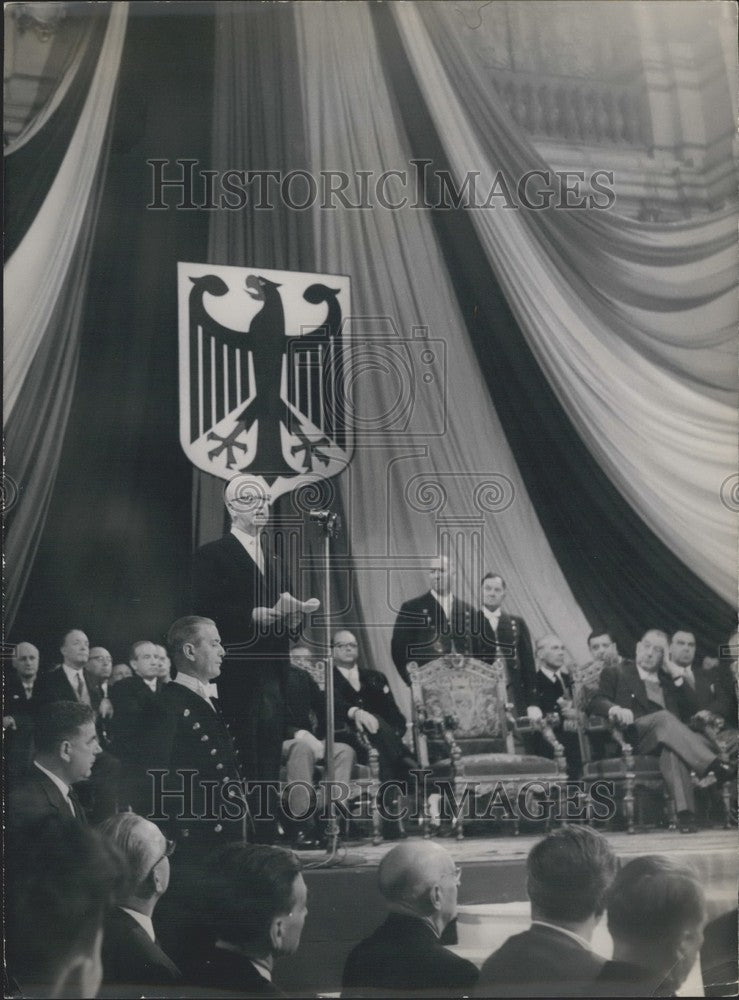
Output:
(366, 777)
(608, 756)
(464, 732)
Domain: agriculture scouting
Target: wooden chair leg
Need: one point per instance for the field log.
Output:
(671, 812)
(628, 803)
(726, 799)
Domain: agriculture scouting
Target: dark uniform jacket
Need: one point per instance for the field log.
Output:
(511, 642)
(423, 633)
(190, 736)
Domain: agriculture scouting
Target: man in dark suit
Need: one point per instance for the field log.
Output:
(303, 748)
(236, 581)
(68, 682)
(364, 704)
(66, 745)
(656, 915)
(132, 957)
(568, 876)
(433, 624)
(405, 956)
(498, 635)
(98, 670)
(653, 697)
(554, 696)
(18, 685)
(134, 701)
(254, 900)
(199, 793)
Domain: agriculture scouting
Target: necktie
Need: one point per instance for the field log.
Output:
(82, 694)
(76, 805)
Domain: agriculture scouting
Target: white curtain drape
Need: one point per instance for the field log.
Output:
(412, 482)
(38, 269)
(604, 304)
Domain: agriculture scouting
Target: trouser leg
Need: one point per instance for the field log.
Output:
(677, 779)
(663, 729)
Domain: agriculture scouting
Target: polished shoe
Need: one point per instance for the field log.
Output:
(686, 822)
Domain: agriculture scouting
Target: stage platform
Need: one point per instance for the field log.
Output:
(344, 904)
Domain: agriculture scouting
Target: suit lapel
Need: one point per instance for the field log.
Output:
(638, 688)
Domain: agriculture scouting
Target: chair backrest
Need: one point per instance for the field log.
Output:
(462, 691)
(315, 668)
(585, 680)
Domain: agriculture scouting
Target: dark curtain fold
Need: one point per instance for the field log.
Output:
(619, 571)
(30, 170)
(259, 124)
(114, 556)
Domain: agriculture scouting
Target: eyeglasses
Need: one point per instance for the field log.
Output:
(169, 846)
(346, 645)
(456, 874)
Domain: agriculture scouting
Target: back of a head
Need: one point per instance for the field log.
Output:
(137, 839)
(244, 888)
(569, 873)
(653, 900)
(58, 721)
(408, 872)
(60, 880)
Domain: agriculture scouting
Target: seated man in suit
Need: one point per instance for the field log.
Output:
(568, 876)
(363, 704)
(405, 956)
(656, 915)
(254, 901)
(303, 748)
(66, 745)
(134, 705)
(433, 624)
(500, 635)
(714, 686)
(554, 695)
(132, 958)
(54, 935)
(653, 698)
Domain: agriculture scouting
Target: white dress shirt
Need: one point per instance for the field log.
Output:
(142, 919)
(252, 545)
(195, 685)
(73, 676)
(445, 601)
(493, 617)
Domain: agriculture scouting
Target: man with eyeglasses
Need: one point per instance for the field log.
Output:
(132, 956)
(419, 882)
(363, 704)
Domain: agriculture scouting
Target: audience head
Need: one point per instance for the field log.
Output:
(550, 652)
(119, 672)
(75, 649)
(682, 647)
(163, 664)
(25, 661)
(100, 663)
(255, 897)
(602, 647)
(61, 880)
(650, 650)
(493, 589)
(345, 648)
(66, 739)
(248, 500)
(656, 915)
(143, 659)
(442, 574)
(196, 647)
(422, 879)
(147, 853)
(568, 876)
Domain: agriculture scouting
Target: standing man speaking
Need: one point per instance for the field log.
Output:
(240, 582)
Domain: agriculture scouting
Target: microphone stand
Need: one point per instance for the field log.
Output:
(330, 524)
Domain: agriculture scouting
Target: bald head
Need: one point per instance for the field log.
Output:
(145, 849)
(420, 878)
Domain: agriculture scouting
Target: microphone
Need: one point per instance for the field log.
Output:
(330, 522)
